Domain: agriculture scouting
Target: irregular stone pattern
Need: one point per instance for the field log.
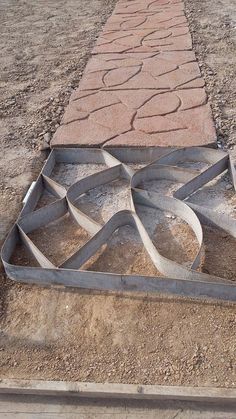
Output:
(142, 86)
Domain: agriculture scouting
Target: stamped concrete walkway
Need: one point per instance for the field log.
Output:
(142, 86)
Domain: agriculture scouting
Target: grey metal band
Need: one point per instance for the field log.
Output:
(177, 279)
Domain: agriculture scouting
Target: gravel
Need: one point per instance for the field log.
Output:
(213, 29)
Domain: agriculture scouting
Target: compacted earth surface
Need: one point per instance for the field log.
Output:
(90, 336)
(213, 29)
(44, 49)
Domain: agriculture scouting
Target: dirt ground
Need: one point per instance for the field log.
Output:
(91, 336)
(44, 47)
(213, 29)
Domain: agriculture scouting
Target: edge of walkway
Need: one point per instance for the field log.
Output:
(117, 391)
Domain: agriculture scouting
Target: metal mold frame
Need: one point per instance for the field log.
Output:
(178, 279)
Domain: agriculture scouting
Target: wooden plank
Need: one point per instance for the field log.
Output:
(120, 391)
(38, 407)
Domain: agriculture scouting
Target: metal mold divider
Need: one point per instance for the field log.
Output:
(178, 279)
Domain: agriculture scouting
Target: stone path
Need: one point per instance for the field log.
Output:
(142, 86)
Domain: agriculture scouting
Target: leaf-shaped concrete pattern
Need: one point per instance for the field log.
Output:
(92, 81)
(110, 48)
(158, 124)
(133, 138)
(96, 101)
(157, 4)
(133, 23)
(193, 84)
(198, 120)
(130, 41)
(112, 36)
(177, 78)
(178, 57)
(162, 20)
(83, 132)
(98, 65)
(180, 31)
(73, 113)
(191, 68)
(190, 99)
(172, 23)
(183, 42)
(134, 99)
(158, 35)
(157, 43)
(116, 117)
(119, 76)
(127, 62)
(102, 41)
(160, 105)
(157, 66)
(145, 81)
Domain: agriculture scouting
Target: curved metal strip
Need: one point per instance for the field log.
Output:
(164, 265)
(180, 280)
(86, 184)
(179, 209)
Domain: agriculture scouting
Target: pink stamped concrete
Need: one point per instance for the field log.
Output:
(142, 86)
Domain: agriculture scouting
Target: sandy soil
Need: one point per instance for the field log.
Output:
(80, 335)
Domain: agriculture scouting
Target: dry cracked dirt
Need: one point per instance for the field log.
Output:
(45, 333)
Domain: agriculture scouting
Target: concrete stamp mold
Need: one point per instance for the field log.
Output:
(115, 164)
